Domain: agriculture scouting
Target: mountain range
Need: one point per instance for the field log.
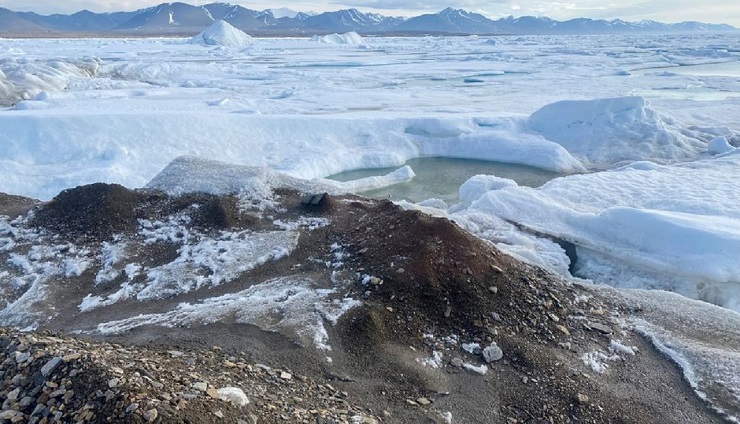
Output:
(184, 19)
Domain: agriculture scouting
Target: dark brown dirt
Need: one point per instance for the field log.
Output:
(14, 206)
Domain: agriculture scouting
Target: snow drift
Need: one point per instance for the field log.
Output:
(346, 38)
(222, 34)
(602, 132)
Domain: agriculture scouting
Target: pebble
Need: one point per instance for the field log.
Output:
(21, 357)
(493, 289)
(492, 353)
(50, 366)
(423, 401)
(563, 329)
(601, 328)
(151, 415)
(200, 386)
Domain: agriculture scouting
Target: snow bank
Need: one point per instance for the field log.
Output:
(674, 227)
(221, 33)
(602, 132)
(23, 79)
(45, 153)
(346, 38)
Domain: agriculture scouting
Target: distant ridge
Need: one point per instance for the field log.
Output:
(185, 19)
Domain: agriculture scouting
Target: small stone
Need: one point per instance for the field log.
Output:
(286, 375)
(71, 357)
(423, 401)
(50, 366)
(229, 364)
(6, 415)
(131, 408)
(21, 357)
(175, 353)
(456, 362)
(234, 395)
(13, 395)
(375, 281)
(219, 414)
(554, 317)
(412, 402)
(492, 353)
(151, 415)
(200, 386)
(39, 409)
(25, 402)
(212, 393)
(448, 311)
(496, 316)
(493, 289)
(562, 329)
(525, 380)
(582, 399)
(389, 309)
(114, 382)
(601, 328)
(17, 380)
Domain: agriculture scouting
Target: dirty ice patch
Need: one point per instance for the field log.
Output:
(603, 132)
(222, 34)
(30, 265)
(254, 185)
(203, 261)
(290, 305)
(701, 338)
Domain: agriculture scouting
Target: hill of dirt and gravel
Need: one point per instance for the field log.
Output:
(441, 327)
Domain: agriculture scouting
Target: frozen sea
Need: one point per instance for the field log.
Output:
(632, 143)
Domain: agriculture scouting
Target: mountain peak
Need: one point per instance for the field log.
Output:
(183, 18)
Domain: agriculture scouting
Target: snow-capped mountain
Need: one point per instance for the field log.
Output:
(11, 22)
(84, 20)
(350, 20)
(168, 17)
(182, 18)
(455, 21)
(283, 12)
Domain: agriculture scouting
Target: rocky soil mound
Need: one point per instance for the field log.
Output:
(439, 326)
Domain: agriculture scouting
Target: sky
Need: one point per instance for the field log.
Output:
(710, 11)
